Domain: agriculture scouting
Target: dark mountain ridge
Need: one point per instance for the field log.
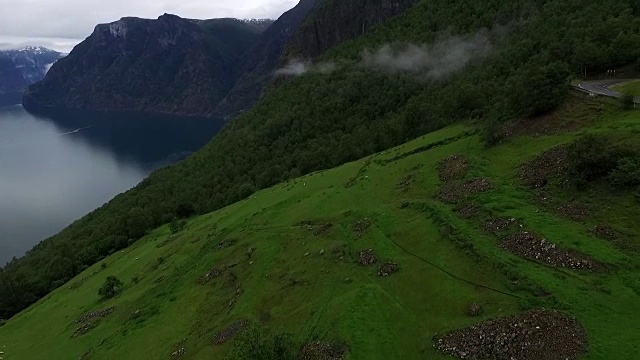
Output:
(169, 65)
(21, 68)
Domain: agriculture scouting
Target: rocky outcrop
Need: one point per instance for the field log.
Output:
(335, 21)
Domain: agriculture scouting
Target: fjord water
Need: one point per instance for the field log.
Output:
(55, 170)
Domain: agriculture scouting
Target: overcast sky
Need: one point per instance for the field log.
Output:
(61, 24)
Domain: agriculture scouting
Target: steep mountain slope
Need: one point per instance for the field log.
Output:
(21, 68)
(368, 104)
(306, 257)
(335, 22)
(260, 62)
(168, 65)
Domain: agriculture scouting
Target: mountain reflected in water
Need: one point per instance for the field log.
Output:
(54, 170)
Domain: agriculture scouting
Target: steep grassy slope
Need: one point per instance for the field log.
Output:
(319, 121)
(303, 277)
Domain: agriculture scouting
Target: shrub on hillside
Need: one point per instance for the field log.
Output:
(111, 287)
(593, 158)
(258, 343)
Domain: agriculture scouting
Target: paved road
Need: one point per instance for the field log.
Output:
(602, 87)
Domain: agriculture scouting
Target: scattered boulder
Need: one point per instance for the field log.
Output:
(453, 167)
(535, 334)
(318, 350)
(387, 269)
(458, 190)
(230, 332)
(533, 247)
(367, 257)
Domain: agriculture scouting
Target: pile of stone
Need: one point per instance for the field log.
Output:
(322, 228)
(85, 328)
(475, 309)
(468, 210)
(453, 167)
(498, 224)
(533, 247)
(178, 353)
(535, 334)
(405, 184)
(387, 269)
(367, 257)
(456, 191)
(230, 332)
(605, 232)
(361, 226)
(90, 316)
(210, 275)
(552, 163)
(318, 350)
(226, 243)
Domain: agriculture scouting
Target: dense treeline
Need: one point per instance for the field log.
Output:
(320, 120)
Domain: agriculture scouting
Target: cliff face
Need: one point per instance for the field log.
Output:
(169, 65)
(21, 68)
(336, 21)
(263, 59)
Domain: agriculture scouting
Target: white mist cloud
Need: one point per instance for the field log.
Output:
(445, 56)
(299, 68)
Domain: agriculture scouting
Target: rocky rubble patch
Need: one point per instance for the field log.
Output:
(230, 332)
(453, 167)
(552, 163)
(387, 269)
(361, 226)
(90, 316)
(405, 184)
(226, 243)
(533, 247)
(318, 350)
(498, 224)
(367, 257)
(459, 190)
(321, 229)
(605, 232)
(210, 275)
(467, 210)
(533, 335)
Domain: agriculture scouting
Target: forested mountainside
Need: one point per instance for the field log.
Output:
(513, 60)
(22, 67)
(169, 65)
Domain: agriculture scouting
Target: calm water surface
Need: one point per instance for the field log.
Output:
(53, 171)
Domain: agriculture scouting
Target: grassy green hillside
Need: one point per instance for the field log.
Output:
(287, 257)
(630, 88)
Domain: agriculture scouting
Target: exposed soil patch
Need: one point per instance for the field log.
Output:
(405, 184)
(459, 190)
(467, 210)
(230, 332)
(533, 247)
(533, 335)
(499, 224)
(387, 269)
(367, 257)
(361, 227)
(553, 163)
(453, 167)
(605, 232)
(318, 350)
